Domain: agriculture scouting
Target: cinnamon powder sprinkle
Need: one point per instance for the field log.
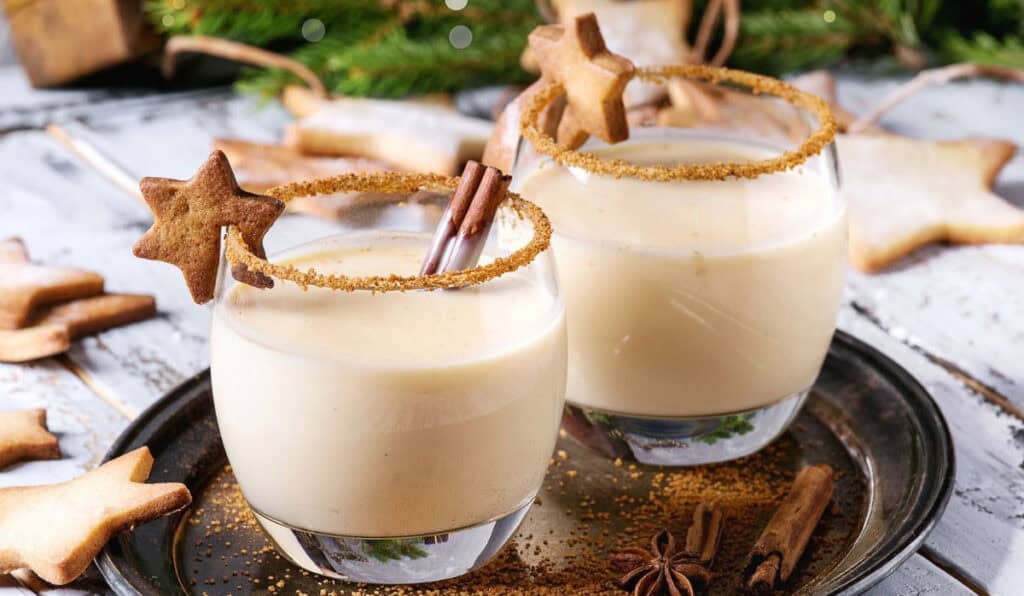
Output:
(237, 252)
(757, 84)
(563, 546)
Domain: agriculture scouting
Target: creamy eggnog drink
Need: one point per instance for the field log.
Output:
(693, 298)
(396, 414)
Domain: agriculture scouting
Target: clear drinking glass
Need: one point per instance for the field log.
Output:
(699, 311)
(394, 437)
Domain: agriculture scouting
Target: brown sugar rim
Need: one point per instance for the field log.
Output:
(391, 182)
(618, 168)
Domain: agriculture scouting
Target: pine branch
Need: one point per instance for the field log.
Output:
(396, 65)
(984, 49)
(258, 21)
(781, 41)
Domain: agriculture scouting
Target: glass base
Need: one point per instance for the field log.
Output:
(408, 560)
(681, 441)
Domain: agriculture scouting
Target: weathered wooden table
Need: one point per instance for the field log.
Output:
(954, 317)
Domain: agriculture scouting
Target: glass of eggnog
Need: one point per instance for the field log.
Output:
(702, 262)
(386, 426)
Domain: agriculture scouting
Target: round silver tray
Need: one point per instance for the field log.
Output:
(866, 416)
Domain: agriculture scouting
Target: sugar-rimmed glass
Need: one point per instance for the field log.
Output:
(391, 437)
(699, 310)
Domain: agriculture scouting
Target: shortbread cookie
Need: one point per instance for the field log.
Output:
(33, 343)
(302, 101)
(188, 217)
(12, 250)
(25, 437)
(412, 136)
(99, 313)
(24, 286)
(594, 78)
(259, 166)
(56, 530)
(51, 328)
(904, 193)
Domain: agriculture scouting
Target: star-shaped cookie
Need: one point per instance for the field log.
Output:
(189, 215)
(24, 286)
(594, 78)
(24, 437)
(56, 530)
(904, 193)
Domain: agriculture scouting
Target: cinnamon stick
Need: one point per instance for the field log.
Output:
(451, 221)
(462, 232)
(704, 534)
(782, 543)
(469, 243)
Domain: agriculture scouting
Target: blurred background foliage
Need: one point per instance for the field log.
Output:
(395, 48)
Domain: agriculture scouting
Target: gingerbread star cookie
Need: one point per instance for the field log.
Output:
(189, 215)
(24, 437)
(904, 193)
(594, 78)
(56, 530)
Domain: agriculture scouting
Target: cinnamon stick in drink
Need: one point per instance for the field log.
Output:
(468, 244)
(451, 221)
(782, 543)
(462, 232)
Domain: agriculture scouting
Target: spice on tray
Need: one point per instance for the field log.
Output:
(555, 552)
(704, 534)
(661, 569)
(664, 569)
(784, 539)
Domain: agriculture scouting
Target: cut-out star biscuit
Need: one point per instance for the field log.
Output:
(904, 193)
(48, 330)
(24, 286)
(594, 78)
(99, 313)
(25, 437)
(189, 215)
(57, 530)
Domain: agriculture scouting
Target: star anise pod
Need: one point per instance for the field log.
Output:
(661, 570)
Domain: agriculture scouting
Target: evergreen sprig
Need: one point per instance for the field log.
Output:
(397, 64)
(393, 48)
(384, 48)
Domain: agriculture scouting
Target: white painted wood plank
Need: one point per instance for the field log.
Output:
(981, 534)
(21, 105)
(918, 577)
(964, 305)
